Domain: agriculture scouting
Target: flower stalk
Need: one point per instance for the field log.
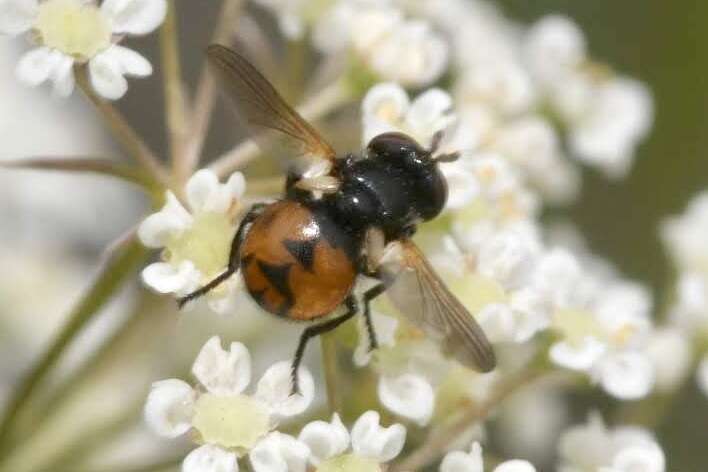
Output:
(205, 95)
(175, 105)
(120, 264)
(124, 133)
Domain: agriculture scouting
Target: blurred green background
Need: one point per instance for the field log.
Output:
(663, 43)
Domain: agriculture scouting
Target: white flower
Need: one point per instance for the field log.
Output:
(594, 447)
(78, 32)
(553, 46)
(702, 375)
(532, 144)
(409, 396)
(371, 444)
(607, 115)
(458, 461)
(386, 107)
(197, 241)
(604, 323)
(227, 420)
(393, 47)
(618, 115)
(502, 86)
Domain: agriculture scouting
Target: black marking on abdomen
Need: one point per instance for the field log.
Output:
(302, 251)
(277, 275)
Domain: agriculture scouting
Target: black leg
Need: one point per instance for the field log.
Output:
(313, 331)
(233, 265)
(369, 295)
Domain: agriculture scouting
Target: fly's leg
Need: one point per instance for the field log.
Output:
(314, 331)
(233, 265)
(369, 295)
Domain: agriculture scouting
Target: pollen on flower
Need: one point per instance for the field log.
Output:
(206, 243)
(73, 27)
(234, 421)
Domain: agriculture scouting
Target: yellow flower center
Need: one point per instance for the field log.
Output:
(349, 463)
(206, 243)
(74, 28)
(576, 325)
(233, 422)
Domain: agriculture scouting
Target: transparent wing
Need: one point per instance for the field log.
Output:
(419, 293)
(262, 109)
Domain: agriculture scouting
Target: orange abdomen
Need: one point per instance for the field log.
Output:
(297, 263)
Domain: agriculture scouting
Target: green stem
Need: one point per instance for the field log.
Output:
(117, 268)
(205, 95)
(328, 345)
(52, 404)
(175, 109)
(123, 132)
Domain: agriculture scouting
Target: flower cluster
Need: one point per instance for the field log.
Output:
(73, 32)
(227, 422)
(499, 266)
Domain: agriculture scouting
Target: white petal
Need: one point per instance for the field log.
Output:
(275, 386)
(106, 76)
(702, 375)
(63, 77)
(171, 220)
(577, 357)
(586, 446)
(210, 458)
(670, 353)
(17, 16)
(408, 395)
(515, 466)
(498, 322)
(129, 61)
(221, 372)
(135, 16)
(37, 65)
(200, 188)
(644, 459)
(458, 461)
(626, 376)
(383, 108)
(430, 112)
(169, 407)
(385, 329)
(236, 184)
(324, 439)
(166, 278)
(370, 439)
(279, 452)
